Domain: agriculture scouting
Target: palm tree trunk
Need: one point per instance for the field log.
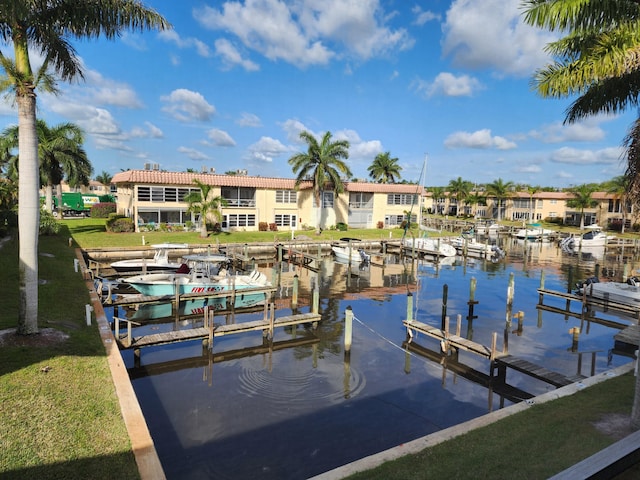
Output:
(28, 214)
(60, 206)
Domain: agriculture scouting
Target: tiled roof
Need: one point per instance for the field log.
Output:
(157, 177)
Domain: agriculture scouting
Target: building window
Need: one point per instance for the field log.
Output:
(360, 200)
(240, 220)
(402, 199)
(144, 194)
(285, 220)
(327, 200)
(239, 196)
(286, 196)
(157, 194)
(396, 220)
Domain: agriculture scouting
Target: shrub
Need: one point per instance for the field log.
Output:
(103, 210)
(48, 223)
(119, 224)
(380, 224)
(273, 227)
(163, 227)
(189, 225)
(341, 226)
(263, 226)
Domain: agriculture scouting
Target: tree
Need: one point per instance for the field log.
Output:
(500, 190)
(48, 28)
(322, 165)
(437, 193)
(459, 189)
(60, 155)
(384, 169)
(532, 191)
(582, 199)
(204, 205)
(618, 187)
(597, 60)
(104, 179)
(475, 199)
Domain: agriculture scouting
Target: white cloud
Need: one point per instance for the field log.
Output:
(423, 16)
(481, 139)
(151, 131)
(221, 138)
(249, 120)
(172, 36)
(293, 128)
(588, 130)
(586, 157)
(193, 154)
(266, 149)
(491, 34)
(447, 84)
(186, 105)
(303, 33)
(231, 56)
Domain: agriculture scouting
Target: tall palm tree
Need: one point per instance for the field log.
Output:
(474, 199)
(459, 189)
(384, 169)
(104, 179)
(322, 164)
(618, 187)
(437, 193)
(204, 205)
(582, 199)
(597, 61)
(60, 155)
(532, 190)
(501, 191)
(48, 28)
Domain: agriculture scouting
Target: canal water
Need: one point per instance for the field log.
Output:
(299, 406)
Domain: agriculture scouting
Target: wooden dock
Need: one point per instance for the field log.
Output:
(208, 333)
(629, 336)
(500, 361)
(588, 302)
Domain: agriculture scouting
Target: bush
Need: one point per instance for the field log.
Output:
(119, 224)
(48, 223)
(273, 227)
(380, 224)
(189, 225)
(341, 226)
(263, 226)
(103, 210)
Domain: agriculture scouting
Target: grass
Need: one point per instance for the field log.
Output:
(60, 417)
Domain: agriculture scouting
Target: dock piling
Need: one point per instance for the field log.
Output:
(348, 329)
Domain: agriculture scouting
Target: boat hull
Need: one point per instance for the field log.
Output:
(617, 292)
(430, 246)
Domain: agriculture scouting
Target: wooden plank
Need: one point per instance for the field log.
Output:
(606, 463)
(454, 340)
(630, 335)
(534, 370)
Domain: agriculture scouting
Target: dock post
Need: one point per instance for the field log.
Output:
(597, 270)
(279, 252)
(541, 295)
(348, 329)
(445, 293)
(409, 307)
(294, 295)
(472, 298)
(458, 324)
(575, 337)
(625, 272)
(510, 292)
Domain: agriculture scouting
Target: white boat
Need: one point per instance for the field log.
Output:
(430, 246)
(170, 283)
(534, 232)
(160, 260)
(469, 246)
(594, 237)
(491, 229)
(627, 293)
(350, 254)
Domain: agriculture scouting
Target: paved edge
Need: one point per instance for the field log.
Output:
(415, 446)
(144, 450)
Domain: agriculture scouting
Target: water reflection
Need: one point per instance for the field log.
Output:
(297, 406)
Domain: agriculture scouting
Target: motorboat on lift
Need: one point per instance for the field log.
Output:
(594, 237)
(626, 293)
(469, 246)
(534, 231)
(160, 260)
(429, 246)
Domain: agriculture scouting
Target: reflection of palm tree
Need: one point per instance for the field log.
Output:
(322, 165)
(39, 27)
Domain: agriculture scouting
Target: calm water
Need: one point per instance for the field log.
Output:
(298, 407)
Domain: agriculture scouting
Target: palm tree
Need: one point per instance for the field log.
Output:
(475, 199)
(104, 179)
(60, 155)
(459, 189)
(597, 60)
(582, 199)
(500, 190)
(532, 191)
(48, 28)
(384, 169)
(618, 187)
(322, 164)
(437, 193)
(201, 203)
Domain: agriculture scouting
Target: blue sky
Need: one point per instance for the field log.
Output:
(234, 82)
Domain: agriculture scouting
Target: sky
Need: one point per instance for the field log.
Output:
(446, 84)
